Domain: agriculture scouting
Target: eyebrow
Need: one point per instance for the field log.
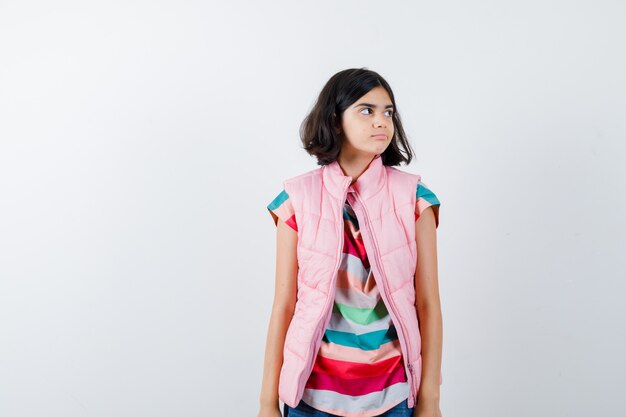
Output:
(388, 106)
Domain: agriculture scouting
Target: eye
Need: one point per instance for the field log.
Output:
(389, 111)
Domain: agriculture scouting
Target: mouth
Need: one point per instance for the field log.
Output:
(380, 137)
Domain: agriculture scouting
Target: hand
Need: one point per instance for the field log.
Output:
(427, 407)
(269, 411)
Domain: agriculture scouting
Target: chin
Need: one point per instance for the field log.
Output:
(381, 149)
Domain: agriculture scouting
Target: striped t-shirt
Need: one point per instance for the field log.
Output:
(359, 369)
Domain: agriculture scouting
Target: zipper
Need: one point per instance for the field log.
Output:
(317, 340)
(404, 343)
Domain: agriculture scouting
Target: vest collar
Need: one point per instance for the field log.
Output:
(369, 182)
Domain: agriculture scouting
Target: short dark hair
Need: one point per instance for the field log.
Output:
(317, 132)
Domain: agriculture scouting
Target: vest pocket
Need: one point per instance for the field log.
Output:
(416, 374)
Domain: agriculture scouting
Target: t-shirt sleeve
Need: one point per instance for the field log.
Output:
(424, 198)
(281, 208)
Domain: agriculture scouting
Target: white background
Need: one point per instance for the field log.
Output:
(141, 141)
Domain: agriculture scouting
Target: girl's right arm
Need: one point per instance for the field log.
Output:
(285, 293)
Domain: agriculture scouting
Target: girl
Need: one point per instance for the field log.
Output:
(356, 268)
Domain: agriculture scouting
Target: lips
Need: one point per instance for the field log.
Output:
(380, 136)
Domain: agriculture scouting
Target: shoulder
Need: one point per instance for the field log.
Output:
(398, 174)
(401, 181)
(303, 177)
(423, 191)
(281, 208)
(425, 198)
(302, 184)
(415, 180)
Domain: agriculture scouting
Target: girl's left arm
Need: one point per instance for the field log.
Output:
(428, 307)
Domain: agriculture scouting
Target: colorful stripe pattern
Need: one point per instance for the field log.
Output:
(424, 199)
(359, 369)
(281, 208)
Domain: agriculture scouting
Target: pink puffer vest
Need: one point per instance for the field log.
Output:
(384, 203)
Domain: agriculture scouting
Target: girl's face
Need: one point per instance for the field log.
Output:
(367, 125)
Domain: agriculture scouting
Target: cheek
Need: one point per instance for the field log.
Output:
(355, 126)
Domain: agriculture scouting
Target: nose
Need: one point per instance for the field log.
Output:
(380, 122)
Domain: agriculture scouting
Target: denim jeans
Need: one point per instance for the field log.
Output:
(305, 410)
